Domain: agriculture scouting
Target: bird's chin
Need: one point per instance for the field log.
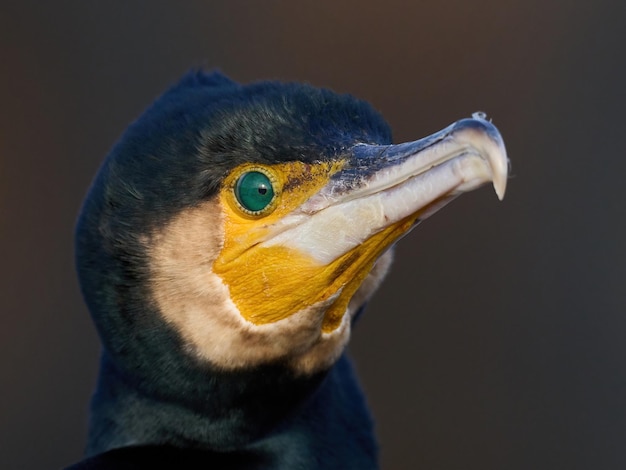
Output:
(330, 345)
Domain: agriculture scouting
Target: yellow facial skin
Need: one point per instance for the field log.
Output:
(270, 283)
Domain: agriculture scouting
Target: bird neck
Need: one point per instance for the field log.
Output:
(222, 411)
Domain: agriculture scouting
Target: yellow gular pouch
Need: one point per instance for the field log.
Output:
(271, 283)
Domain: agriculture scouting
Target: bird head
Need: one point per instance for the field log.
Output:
(238, 226)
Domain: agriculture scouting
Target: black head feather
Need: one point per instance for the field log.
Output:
(173, 157)
(189, 139)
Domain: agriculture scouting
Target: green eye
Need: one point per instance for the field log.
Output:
(254, 191)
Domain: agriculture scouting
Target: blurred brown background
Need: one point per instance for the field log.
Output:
(499, 339)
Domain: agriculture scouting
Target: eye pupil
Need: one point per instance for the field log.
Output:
(254, 191)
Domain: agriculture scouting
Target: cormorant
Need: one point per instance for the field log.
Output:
(224, 249)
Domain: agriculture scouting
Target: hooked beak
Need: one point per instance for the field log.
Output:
(395, 185)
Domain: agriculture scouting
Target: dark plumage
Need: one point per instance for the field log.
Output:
(173, 157)
(161, 395)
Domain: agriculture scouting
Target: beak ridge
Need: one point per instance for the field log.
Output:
(379, 167)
